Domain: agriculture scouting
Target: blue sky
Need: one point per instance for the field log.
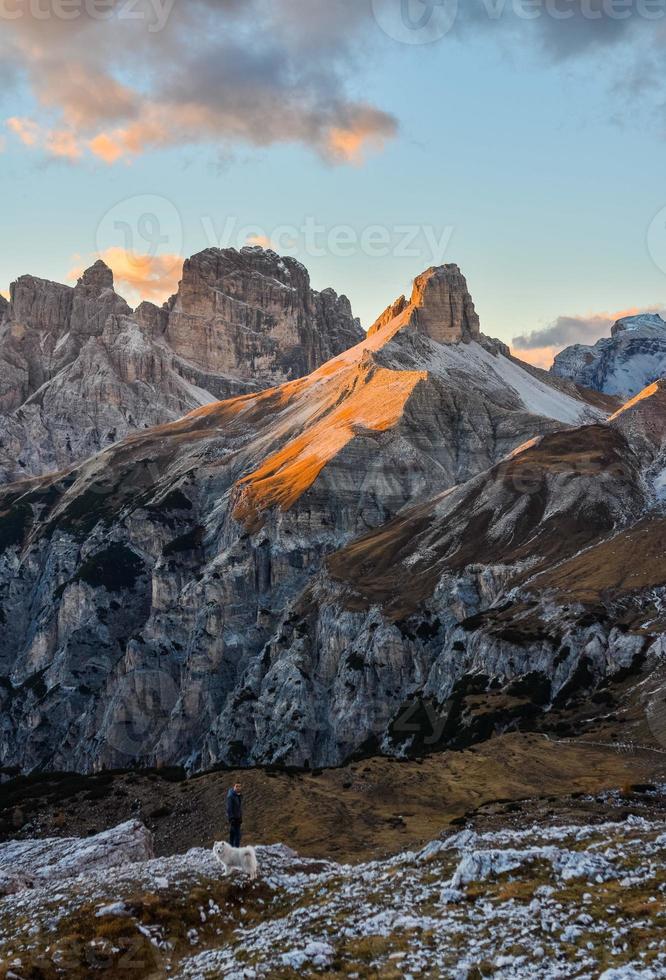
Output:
(531, 158)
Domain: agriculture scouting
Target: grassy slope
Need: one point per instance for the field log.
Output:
(366, 809)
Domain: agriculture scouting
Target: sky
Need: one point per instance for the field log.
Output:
(524, 140)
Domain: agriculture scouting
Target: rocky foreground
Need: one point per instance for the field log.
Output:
(535, 900)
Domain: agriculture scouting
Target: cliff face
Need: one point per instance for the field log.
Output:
(169, 599)
(79, 370)
(633, 357)
(255, 316)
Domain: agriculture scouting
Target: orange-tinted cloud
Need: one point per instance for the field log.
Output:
(60, 143)
(112, 89)
(150, 277)
(106, 148)
(367, 130)
(262, 240)
(57, 142)
(541, 357)
(27, 130)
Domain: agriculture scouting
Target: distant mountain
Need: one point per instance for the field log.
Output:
(632, 358)
(169, 599)
(80, 370)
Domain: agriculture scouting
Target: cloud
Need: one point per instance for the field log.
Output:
(367, 128)
(540, 346)
(27, 130)
(541, 357)
(263, 241)
(124, 77)
(259, 72)
(58, 143)
(146, 277)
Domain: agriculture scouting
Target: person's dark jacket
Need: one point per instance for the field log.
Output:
(234, 807)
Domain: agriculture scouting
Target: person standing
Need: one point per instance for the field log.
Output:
(235, 814)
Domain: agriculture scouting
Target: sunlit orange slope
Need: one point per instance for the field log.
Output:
(374, 400)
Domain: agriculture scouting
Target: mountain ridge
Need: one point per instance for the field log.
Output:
(79, 369)
(177, 554)
(279, 577)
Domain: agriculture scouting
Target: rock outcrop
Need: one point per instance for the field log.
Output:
(254, 315)
(624, 364)
(440, 307)
(79, 370)
(168, 600)
(36, 863)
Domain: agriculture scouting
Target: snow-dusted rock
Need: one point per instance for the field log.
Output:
(35, 863)
(633, 357)
(478, 865)
(314, 916)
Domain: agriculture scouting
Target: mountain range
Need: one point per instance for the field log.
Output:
(633, 357)
(80, 370)
(383, 543)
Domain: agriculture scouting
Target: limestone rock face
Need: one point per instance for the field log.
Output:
(79, 370)
(624, 364)
(170, 599)
(35, 863)
(440, 307)
(254, 315)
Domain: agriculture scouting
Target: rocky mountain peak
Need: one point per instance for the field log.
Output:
(98, 277)
(443, 307)
(253, 314)
(240, 321)
(646, 322)
(440, 307)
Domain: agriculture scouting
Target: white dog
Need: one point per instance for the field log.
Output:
(239, 858)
